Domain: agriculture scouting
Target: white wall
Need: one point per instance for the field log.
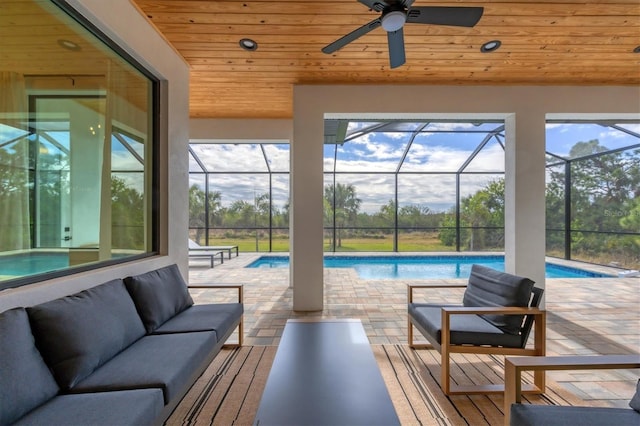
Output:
(123, 23)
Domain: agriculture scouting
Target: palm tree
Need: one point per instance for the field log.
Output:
(215, 208)
(343, 206)
(196, 211)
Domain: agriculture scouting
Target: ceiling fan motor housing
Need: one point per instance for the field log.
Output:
(395, 13)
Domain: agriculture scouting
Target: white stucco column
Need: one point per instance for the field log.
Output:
(525, 195)
(306, 268)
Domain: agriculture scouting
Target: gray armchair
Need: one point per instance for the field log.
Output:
(498, 312)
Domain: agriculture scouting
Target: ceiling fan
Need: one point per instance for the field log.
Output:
(395, 13)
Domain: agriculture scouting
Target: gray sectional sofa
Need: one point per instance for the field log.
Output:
(122, 353)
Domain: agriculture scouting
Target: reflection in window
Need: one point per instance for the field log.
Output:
(75, 153)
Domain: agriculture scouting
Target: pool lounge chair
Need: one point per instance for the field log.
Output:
(211, 255)
(195, 247)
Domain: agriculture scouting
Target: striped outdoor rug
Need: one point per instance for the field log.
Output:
(229, 391)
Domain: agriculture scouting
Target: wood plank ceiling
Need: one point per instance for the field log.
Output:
(549, 42)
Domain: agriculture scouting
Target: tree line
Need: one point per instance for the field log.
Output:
(604, 198)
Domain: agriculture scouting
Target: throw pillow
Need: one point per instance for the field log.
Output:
(159, 295)
(79, 333)
(25, 380)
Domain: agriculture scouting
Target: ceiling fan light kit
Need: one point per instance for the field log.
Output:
(393, 20)
(396, 13)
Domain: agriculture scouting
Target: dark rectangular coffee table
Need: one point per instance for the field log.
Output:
(325, 373)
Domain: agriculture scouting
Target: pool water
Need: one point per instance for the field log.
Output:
(38, 262)
(419, 267)
(32, 263)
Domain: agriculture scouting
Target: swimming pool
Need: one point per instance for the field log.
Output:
(419, 267)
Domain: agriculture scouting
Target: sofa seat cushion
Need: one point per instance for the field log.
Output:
(465, 329)
(78, 333)
(554, 415)
(159, 295)
(490, 288)
(166, 361)
(131, 407)
(25, 380)
(218, 317)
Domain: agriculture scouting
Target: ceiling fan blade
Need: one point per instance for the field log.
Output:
(396, 48)
(445, 15)
(353, 35)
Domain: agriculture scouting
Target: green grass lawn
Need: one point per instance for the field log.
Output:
(407, 242)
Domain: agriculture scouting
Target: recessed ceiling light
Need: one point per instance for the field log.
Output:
(490, 46)
(636, 50)
(248, 44)
(69, 45)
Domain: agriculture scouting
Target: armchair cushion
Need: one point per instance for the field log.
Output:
(159, 295)
(79, 333)
(490, 288)
(465, 329)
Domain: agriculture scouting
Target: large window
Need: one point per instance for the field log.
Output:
(76, 147)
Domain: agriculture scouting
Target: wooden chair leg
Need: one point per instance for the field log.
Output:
(410, 333)
(540, 345)
(445, 370)
(444, 352)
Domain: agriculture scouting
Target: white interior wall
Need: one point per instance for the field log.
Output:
(123, 23)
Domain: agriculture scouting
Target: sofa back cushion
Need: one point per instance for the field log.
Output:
(79, 333)
(159, 295)
(25, 380)
(491, 288)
